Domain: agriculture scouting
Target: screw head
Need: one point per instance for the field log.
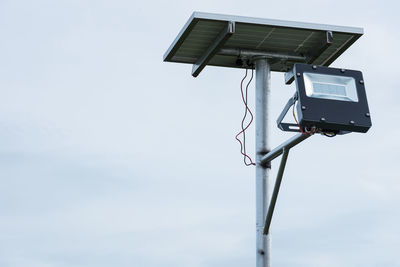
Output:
(367, 114)
(298, 74)
(303, 107)
(342, 70)
(323, 119)
(361, 81)
(314, 67)
(352, 122)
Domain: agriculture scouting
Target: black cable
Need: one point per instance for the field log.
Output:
(330, 135)
(244, 118)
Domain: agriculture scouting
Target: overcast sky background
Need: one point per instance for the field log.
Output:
(110, 157)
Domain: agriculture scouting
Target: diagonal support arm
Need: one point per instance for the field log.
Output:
(281, 149)
(276, 190)
(221, 39)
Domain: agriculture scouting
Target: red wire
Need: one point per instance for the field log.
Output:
(248, 125)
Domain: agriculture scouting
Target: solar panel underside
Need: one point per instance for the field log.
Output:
(199, 33)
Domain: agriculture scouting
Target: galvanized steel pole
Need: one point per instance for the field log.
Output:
(263, 84)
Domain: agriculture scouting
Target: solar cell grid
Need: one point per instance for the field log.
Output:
(272, 36)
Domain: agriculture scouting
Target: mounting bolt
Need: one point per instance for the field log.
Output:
(323, 119)
(367, 114)
(314, 67)
(352, 122)
(239, 62)
(361, 81)
(303, 107)
(298, 74)
(342, 70)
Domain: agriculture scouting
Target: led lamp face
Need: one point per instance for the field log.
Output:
(330, 87)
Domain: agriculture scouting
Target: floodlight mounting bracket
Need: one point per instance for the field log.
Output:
(289, 77)
(283, 150)
(287, 127)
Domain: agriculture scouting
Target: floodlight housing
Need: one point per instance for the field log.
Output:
(331, 99)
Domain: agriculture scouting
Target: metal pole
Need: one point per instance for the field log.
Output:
(263, 77)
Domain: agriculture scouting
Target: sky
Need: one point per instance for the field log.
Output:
(111, 157)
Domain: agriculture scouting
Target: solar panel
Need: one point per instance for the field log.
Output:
(219, 40)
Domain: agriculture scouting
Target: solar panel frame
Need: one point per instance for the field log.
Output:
(269, 35)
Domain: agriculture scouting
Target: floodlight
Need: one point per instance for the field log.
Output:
(329, 100)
